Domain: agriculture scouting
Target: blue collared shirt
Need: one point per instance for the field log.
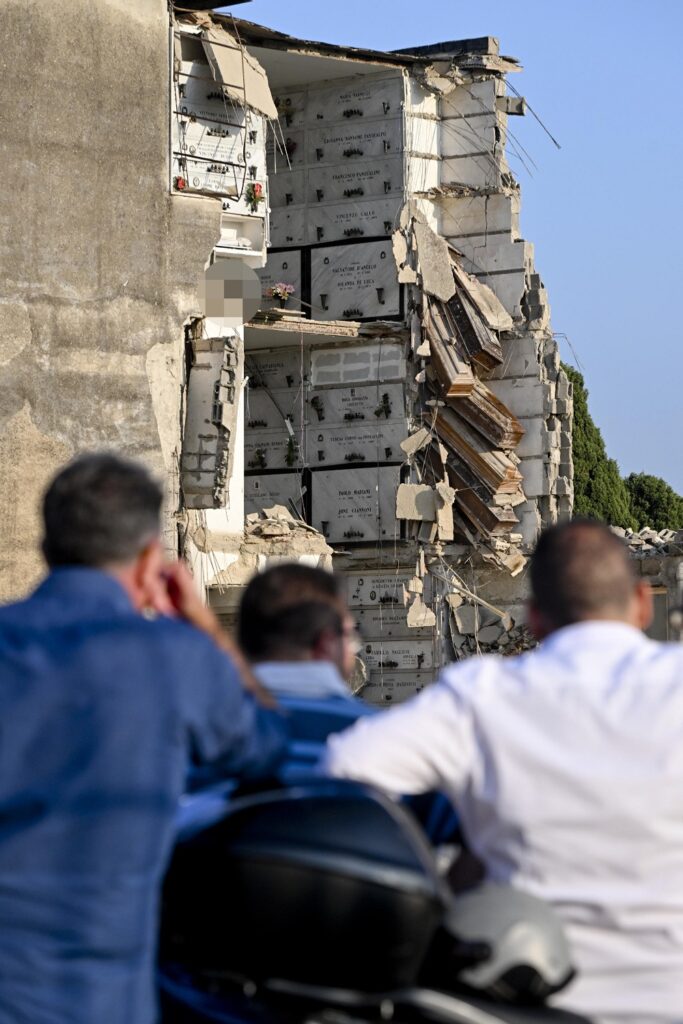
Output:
(101, 714)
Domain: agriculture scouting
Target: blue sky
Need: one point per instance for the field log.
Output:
(604, 211)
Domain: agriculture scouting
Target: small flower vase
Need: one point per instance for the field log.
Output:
(283, 301)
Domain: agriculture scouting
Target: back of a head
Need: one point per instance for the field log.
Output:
(100, 510)
(581, 570)
(285, 609)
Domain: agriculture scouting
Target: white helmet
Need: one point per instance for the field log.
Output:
(528, 952)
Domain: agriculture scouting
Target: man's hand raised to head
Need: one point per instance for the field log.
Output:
(174, 593)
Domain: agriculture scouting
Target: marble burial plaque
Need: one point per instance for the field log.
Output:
(286, 150)
(266, 409)
(286, 188)
(354, 100)
(391, 654)
(341, 144)
(387, 688)
(355, 443)
(354, 406)
(271, 449)
(353, 282)
(217, 143)
(288, 226)
(272, 489)
(278, 369)
(352, 219)
(356, 180)
(354, 505)
(384, 621)
(281, 266)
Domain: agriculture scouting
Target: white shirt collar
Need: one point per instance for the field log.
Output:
(594, 633)
(313, 679)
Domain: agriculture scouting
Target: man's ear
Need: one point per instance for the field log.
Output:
(147, 575)
(643, 605)
(538, 624)
(326, 646)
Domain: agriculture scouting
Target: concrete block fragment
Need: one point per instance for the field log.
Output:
(426, 533)
(400, 248)
(490, 634)
(445, 497)
(416, 441)
(420, 614)
(407, 275)
(435, 263)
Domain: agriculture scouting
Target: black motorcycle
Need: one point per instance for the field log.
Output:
(322, 904)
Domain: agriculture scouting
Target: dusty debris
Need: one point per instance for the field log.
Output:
(420, 615)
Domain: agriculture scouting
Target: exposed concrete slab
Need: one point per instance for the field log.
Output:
(526, 396)
(469, 215)
(520, 358)
(24, 480)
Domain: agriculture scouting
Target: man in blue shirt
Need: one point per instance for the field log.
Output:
(296, 629)
(102, 711)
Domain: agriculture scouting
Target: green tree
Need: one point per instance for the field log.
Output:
(654, 503)
(599, 491)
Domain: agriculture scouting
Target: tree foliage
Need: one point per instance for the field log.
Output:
(599, 490)
(654, 503)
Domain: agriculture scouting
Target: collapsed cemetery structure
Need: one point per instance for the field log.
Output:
(405, 401)
(402, 417)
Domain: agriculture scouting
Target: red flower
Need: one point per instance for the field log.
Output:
(258, 189)
(180, 184)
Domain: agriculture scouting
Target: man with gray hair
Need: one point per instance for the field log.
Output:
(566, 767)
(102, 711)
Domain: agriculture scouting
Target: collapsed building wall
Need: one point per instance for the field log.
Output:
(408, 401)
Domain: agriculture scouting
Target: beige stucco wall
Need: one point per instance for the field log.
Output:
(98, 264)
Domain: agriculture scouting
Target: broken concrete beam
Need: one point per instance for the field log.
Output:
(426, 533)
(514, 106)
(435, 263)
(445, 496)
(400, 248)
(416, 441)
(416, 502)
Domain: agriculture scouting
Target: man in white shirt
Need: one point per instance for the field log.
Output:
(566, 766)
